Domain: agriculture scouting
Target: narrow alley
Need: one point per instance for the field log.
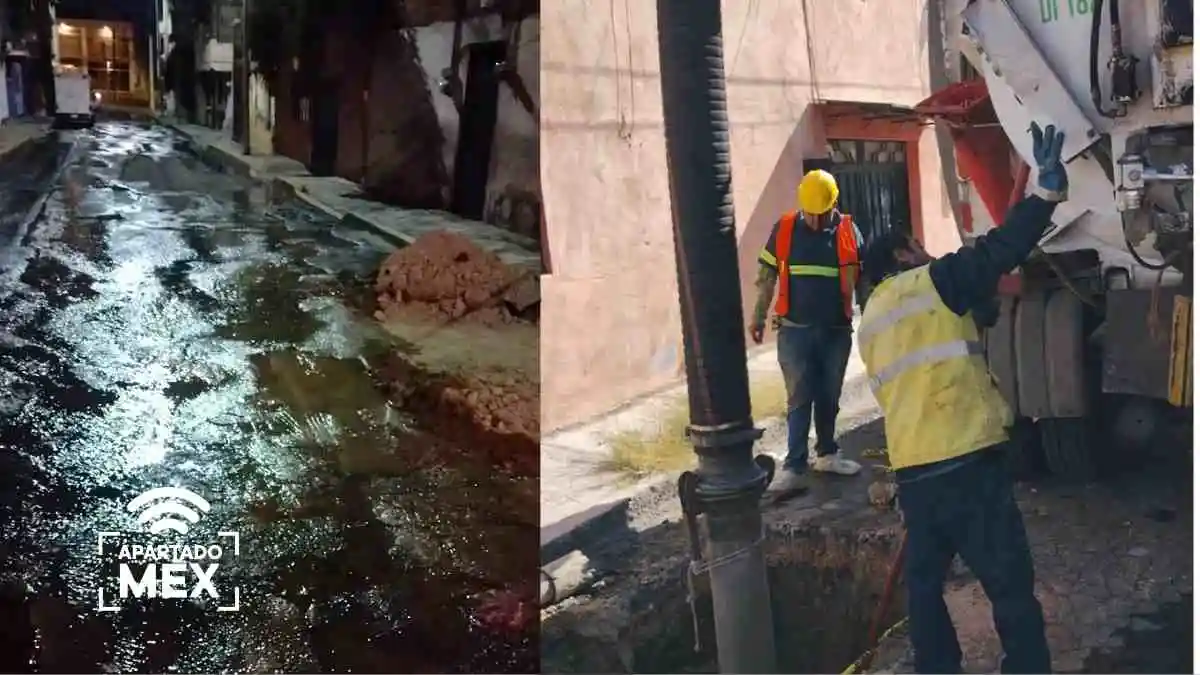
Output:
(164, 324)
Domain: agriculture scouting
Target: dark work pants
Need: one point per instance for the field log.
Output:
(970, 510)
(813, 360)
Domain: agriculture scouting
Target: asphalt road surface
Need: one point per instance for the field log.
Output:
(162, 324)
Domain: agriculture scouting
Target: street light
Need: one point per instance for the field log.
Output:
(106, 33)
(66, 29)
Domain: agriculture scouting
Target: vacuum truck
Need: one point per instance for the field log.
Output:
(1093, 346)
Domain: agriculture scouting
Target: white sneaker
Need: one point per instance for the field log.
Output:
(836, 464)
(787, 480)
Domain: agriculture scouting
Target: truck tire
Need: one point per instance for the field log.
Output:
(1069, 449)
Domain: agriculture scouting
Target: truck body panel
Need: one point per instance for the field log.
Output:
(1056, 59)
(73, 97)
(1103, 311)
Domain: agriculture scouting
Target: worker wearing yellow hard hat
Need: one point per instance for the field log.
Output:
(818, 192)
(947, 423)
(811, 256)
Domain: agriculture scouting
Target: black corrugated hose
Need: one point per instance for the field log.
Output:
(730, 481)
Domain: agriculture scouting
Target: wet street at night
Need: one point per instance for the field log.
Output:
(164, 324)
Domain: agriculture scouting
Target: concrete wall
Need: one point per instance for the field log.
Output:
(405, 157)
(262, 117)
(291, 135)
(390, 107)
(54, 46)
(610, 328)
(165, 27)
(4, 114)
(346, 66)
(435, 44)
(513, 186)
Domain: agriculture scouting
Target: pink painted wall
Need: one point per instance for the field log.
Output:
(610, 317)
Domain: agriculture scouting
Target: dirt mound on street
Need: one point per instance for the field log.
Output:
(469, 372)
(495, 414)
(447, 277)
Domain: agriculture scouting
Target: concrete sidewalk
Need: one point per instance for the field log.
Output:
(15, 132)
(342, 199)
(574, 487)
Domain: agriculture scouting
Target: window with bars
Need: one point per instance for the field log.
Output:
(872, 181)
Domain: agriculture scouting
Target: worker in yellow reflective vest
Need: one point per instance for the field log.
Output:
(812, 256)
(947, 423)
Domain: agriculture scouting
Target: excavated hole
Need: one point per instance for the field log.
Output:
(826, 582)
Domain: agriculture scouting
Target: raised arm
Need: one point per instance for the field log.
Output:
(967, 279)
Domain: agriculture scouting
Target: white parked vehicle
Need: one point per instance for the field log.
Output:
(73, 94)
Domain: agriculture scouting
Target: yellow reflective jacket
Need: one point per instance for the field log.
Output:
(928, 372)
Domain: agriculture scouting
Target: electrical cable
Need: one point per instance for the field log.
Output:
(1143, 262)
(1094, 61)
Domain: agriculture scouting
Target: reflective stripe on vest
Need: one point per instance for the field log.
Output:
(846, 244)
(925, 367)
(921, 303)
(924, 356)
(812, 270)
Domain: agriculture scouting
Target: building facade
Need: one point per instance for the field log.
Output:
(395, 107)
(106, 50)
(809, 84)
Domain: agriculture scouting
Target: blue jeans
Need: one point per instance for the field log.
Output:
(813, 360)
(969, 510)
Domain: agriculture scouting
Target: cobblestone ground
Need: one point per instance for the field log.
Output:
(1114, 574)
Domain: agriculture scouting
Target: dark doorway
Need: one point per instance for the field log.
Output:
(325, 103)
(872, 181)
(477, 128)
(1177, 22)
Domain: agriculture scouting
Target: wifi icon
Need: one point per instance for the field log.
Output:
(168, 508)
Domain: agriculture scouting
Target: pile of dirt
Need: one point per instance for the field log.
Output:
(446, 277)
(491, 410)
(493, 414)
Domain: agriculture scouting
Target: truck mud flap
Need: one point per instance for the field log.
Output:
(1147, 345)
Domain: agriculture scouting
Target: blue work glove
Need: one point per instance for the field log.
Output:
(1047, 153)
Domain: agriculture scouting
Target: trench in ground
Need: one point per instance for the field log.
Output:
(826, 581)
(1113, 559)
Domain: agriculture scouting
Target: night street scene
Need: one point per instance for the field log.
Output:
(269, 387)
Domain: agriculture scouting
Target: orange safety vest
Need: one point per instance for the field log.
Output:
(847, 252)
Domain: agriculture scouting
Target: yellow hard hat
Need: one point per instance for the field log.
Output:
(818, 192)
